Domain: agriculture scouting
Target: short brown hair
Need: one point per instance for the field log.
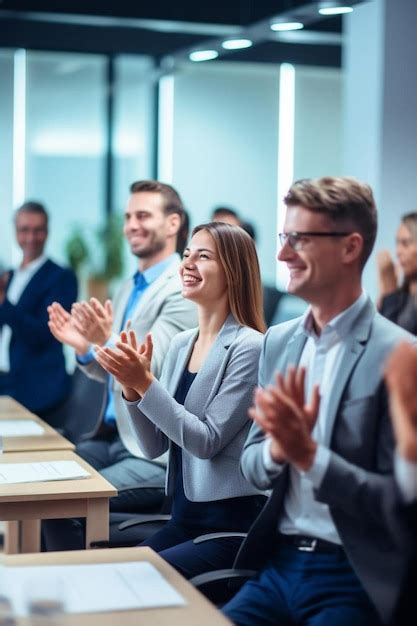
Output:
(238, 257)
(32, 206)
(171, 198)
(410, 221)
(347, 202)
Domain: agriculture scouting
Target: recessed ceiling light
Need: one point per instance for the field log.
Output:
(280, 26)
(236, 44)
(203, 55)
(335, 10)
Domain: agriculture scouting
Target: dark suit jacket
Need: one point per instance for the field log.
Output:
(406, 610)
(37, 376)
(392, 306)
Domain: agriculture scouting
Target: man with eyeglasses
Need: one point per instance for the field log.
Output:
(322, 439)
(32, 365)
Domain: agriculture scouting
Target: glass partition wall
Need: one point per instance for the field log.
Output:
(59, 132)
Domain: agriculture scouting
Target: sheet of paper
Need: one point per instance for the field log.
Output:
(40, 472)
(20, 428)
(93, 588)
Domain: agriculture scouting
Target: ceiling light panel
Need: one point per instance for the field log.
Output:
(283, 26)
(335, 10)
(203, 55)
(236, 44)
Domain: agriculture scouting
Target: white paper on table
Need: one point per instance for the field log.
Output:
(40, 472)
(20, 428)
(91, 588)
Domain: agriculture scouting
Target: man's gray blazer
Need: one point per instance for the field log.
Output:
(161, 311)
(213, 424)
(360, 473)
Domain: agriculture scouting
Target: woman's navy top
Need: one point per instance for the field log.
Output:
(236, 514)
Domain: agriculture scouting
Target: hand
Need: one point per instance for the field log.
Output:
(401, 379)
(387, 273)
(282, 414)
(129, 364)
(93, 320)
(61, 326)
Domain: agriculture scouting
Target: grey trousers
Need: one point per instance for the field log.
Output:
(123, 470)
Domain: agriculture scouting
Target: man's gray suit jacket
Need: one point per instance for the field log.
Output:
(360, 472)
(161, 311)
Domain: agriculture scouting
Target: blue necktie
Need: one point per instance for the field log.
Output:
(139, 287)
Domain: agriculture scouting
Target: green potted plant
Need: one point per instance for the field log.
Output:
(105, 262)
(76, 250)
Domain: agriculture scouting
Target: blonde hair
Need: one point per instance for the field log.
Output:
(239, 260)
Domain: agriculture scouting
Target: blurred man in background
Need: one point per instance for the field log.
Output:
(32, 366)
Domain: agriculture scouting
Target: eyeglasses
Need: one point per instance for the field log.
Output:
(295, 239)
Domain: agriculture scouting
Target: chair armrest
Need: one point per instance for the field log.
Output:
(211, 536)
(220, 574)
(138, 521)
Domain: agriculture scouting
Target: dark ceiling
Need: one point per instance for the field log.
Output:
(160, 28)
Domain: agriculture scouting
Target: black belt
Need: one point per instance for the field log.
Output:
(309, 544)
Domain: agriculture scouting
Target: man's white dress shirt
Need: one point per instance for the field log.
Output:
(322, 357)
(21, 277)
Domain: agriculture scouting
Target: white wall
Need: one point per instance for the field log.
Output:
(318, 129)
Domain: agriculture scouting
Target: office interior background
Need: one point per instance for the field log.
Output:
(95, 95)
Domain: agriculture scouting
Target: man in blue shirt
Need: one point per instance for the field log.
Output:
(150, 301)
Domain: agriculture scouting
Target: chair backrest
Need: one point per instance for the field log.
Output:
(81, 411)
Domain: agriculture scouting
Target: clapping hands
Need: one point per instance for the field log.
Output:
(129, 363)
(62, 327)
(89, 322)
(93, 320)
(401, 379)
(281, 412)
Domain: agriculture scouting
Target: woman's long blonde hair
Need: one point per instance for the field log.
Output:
(239, 259)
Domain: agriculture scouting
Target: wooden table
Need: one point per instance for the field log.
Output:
(10, 405)
(198, 610)
(24, 505)
(49, 440)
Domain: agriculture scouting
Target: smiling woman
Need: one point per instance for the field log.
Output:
(199, 408)
(399, 302)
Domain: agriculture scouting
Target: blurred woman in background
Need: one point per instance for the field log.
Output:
(399, 302)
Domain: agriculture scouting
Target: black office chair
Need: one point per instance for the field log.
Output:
(130, 529)
(219, 586)
(77, 416)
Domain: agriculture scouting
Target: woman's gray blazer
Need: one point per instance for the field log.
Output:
(212, 426)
